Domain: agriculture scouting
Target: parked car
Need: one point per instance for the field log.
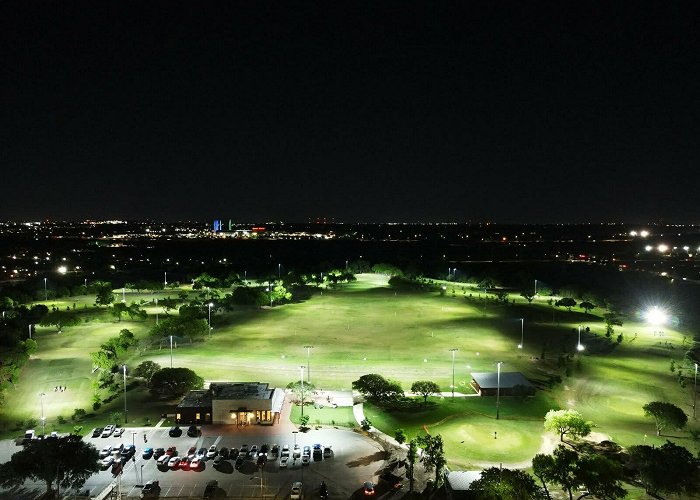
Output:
(201, 453)
(107, 431)
(318, 453)
(296, 453)
(193, 431)
(185, 463)
(129, 450)
(262, 459)
(171, 452)
(305, 460)
(265, 449)
(96, 432)
(253, 453)
(117, 448)
(158, 453)
(244, 449)
(175, 432)
(219, 460)
(327, 452)
(223, 453)
(239, 461)
(118, 431)
(196, 463)
(274, 452)
(284, 462)
(147, 453)
(307, 451)
(296, 491)
(392, 480)
(285, 451)
(106, 461)
(368, 488)
(106, 451)
(212, 452)
(233, 453)
(174, 462)
(163, 460)
(150, 489)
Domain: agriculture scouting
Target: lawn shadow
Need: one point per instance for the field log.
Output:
(369, 459)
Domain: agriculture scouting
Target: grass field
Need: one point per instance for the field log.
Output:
(366, 327)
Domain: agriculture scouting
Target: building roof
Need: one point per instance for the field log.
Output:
(489, 380)
(196, 399)
(460, 480)
(240, 390)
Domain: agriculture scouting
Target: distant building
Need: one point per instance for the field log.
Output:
(511, 384)
(239, 403)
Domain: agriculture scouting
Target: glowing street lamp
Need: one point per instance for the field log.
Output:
(498, 389)
(46, 292)
(126, 418)
(171, 351)
(210, 306)
(43, 419)
(301, 373)
(695, 389)
(308, 362)
(522, 333)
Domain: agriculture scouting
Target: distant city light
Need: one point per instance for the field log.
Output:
(633, 233)
(662, 248)
(656, 316)
(648, 248)
(62, 269)
(644, 233)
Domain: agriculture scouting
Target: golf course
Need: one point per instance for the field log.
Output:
(368, 326)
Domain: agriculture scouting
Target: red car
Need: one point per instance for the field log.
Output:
(171, 452)
(196, 464)
(185, 463)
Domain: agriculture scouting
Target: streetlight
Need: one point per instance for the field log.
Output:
(46, 292)
(579, 346)
(171, 351)
(124, 294)
(302, 390)
(308, 362)
(655, 316)
(522, 333)
(535, 287)
(43, 419)
(30, 330)
(126, 419)
(210, 306)
(279, 271)
(165, 279)
(498, 389)
(453, 351)
(695, 389)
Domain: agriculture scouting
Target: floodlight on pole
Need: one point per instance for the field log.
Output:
(43, 419)
(453, 351)
(30, 330)
(579, 346)
(695, 389)
(301, 368)
(46, 292)
(165, 278)
(279, 271)
(498, 389)
(209, 322)
(308, 362)
(655, 316)
(171, 351)
(522, 333)
(126, 418)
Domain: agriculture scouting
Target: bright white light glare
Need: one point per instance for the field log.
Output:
(633, 233)
(662, 248)
(644, 233)
(63, 269)
(656, 316)
(580, 347)
(686, 248)
(648, 248)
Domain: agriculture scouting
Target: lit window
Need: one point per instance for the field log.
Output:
(197, 416)
(177, 416)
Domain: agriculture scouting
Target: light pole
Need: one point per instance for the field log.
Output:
(30, 330)
(43, 419)
(535, 287)
(124, 295)
(695, 389)
(126, 418)
(301, 368)
(522, 333)
(171, 351)
(346, 265)
(453, 351)
(156, 311)
(279, 271)
(46, 292)
(142, 473)
(308, 362)
(295, 437)
(498, 389)
(210, 306)
(579, 346)
(165, 279)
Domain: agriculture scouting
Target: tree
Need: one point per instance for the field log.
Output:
(173, 382)
(135, 311)
(611, 321)
(559, 468)
(528, 295)
(377, 388)
(117, 309)
(103, 293)
(67, 461)
(665, 415)
(425, 388)
(433, 456)
(146, 370)
(567, 302)
(296, 388)
(505, 484)
(668, 469)
(586, 306)
(411, 458)
(567, 422)
(400, 436)
(279, 293)
(59, 319)
(601, 477)
(180, 327)
(541, 465)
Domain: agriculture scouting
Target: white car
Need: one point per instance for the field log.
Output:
(118, 431)
(174, 462)
(106, 451)
(212, 451)
(107, 461)
(297, 452)
(284, 462)
(296, 491)
(107, 431)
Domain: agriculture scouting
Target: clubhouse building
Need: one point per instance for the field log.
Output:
(510, 384)
(239, 403)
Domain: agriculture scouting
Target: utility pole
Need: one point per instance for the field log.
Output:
(453, 351)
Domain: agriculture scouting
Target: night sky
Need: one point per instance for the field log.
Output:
(380, 111)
